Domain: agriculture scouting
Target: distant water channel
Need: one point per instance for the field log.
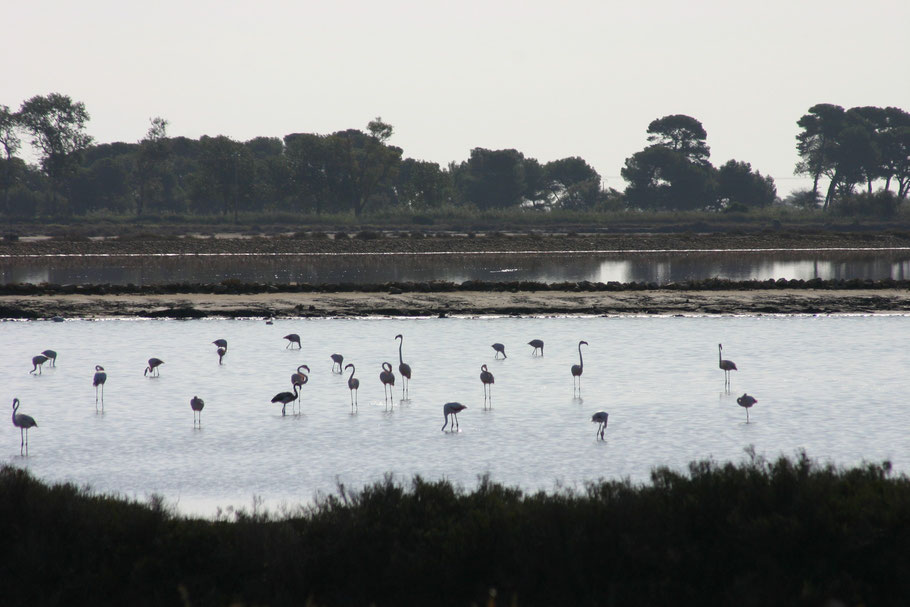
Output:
(659, 267)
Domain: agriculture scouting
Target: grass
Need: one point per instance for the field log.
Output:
(782, 532)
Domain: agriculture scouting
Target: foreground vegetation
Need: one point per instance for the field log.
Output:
(784, 532)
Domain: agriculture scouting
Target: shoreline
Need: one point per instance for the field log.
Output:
(459, 303)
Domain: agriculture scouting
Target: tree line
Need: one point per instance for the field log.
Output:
(358, 171)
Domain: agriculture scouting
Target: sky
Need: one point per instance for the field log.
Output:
(549, 79)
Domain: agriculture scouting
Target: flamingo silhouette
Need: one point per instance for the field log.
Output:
(537, 344)
(600, 418)
(388, 381)
(745, 401)
(578, 369)
(98, 380)
(353, 384)
(299, 379)
(726, 365)
(286, 397)
(37, 361)
(452, 409)
(196, 404)
(51, 356)
(292, 338)
(487, 379)
(337, 359)
(23, 422)
(500, 349)
(403, 368)
(154, 363)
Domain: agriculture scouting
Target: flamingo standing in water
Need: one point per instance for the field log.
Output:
(51, 356)
(500, 349)
(286, 397)
(452, 409)
(578, 369)
(196, 404)
(292, 338)
(353, 384)
(98, 380)
(600, 418)
(299, 379)
(221, 344)
(725, 365)
(154, 363)
(745, 401)
(388, 381)
(23, 422)
(487, 379)
(537, 344)
(403, 368)
(37, 361)
(337, 359)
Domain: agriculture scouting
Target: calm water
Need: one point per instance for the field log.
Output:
(834, 386)
(658, 267)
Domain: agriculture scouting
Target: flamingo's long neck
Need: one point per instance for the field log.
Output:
(720, 357)
(400, 344)
(581, 362)
(15, 407)
(352, 373)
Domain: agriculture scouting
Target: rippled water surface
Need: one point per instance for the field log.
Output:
(638, 266)
(834, 386)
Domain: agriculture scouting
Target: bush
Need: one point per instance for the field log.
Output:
(881, 204)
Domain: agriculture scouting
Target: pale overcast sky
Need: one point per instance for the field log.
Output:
(548, 78)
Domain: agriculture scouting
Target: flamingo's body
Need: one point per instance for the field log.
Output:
(299, 379)
(337, 359)
(51, 356)
(725, 365)
(292, 338)
(154, 363)
(221, 344)
(578, 369)
(353, 384)
(537, 344)
(286, 397)
(452, 409)
(403, 368)
(487, 379)
(600, 418)
(196, 404)
(745, 401)
(37, 361)
(388, 380)
(98, 380)
(500, 349)
(23, 422)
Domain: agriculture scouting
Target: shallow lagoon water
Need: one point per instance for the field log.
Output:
(833, 386)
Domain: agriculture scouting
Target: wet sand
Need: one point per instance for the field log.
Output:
(470, 303)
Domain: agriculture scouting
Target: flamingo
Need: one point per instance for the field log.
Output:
(98, 380)
(388, 379)
(488, 380)
(578, 369)
(37, 361)
(452, 409)
(353, 384)
(500, 349)
(196, 404)
(52, 356)
(726, 365)
(300, 378)
(337, 359)
(23, 422)
(292, 338)
(154, 363)
(600, 418)
(403, 368)
(745, 401)
(537, 344)
(221, 344)
(286, 397)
